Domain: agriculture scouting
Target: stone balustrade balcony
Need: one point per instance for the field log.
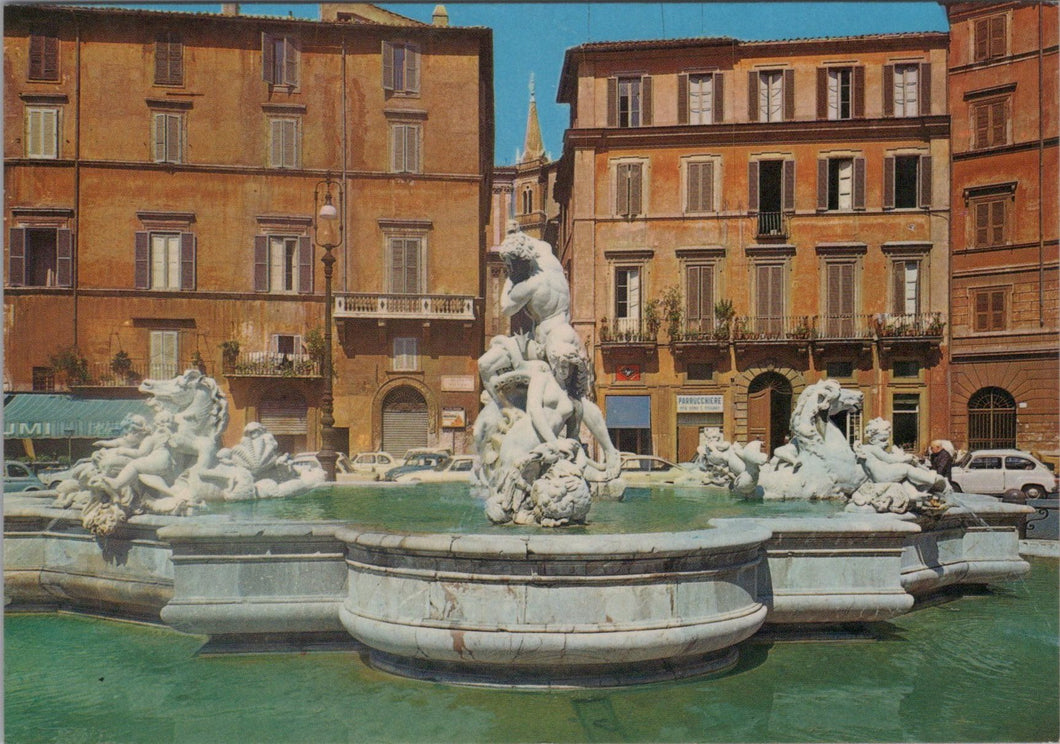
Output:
(413, 306)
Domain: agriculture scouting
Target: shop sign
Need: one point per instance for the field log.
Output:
(454, 418)
(700, 404)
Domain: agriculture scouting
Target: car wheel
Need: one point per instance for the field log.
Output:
(1034, 492)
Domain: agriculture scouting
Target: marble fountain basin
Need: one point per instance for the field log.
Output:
(505, 608)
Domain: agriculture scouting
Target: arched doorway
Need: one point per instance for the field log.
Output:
(769, 409)
(991, 419)
(404, 421)
(285, 414)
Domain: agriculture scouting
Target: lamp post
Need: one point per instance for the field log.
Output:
(328, 236)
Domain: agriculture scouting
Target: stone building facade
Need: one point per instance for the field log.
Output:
(163, 173)
(1003, 81)
(740, 219)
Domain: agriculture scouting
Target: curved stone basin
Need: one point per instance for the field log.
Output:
(553, 610)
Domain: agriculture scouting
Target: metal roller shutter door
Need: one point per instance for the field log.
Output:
(403, 430)
(284, 417)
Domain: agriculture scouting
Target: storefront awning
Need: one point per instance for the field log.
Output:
(63, 416)
(628, 411)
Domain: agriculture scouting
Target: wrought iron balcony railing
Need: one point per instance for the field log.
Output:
(773, 328)
(627, 331)
(909, 325)
(271, 364)
(843, 327)
(424, 307)
(772, 225)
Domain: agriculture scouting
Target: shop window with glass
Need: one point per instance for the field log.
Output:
(905, 417)
(629, 422)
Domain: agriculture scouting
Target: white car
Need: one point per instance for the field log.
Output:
(304, 461)
(457, 469)
(369, 466)
(642, 471)
(1000, 470)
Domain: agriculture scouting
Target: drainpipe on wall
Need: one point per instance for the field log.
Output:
(76, 279)
(1041, 181)
(344, 194)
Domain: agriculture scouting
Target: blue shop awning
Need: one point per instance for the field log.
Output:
(64, 416)
(628, 411)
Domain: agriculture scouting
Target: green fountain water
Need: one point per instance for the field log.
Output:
(982, 667)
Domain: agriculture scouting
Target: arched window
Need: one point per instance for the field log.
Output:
(528, 200)
(991, 419)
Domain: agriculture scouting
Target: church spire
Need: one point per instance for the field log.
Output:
(533, 147)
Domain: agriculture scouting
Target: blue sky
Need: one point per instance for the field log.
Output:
(532, 38)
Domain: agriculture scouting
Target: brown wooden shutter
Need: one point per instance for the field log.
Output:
(700, 291)
(412, 68)
(997, 222)
(187, 261)
(752, 95)
(682, 98)
(174, 152)
(997, 36)
(388, 66)
(982, 38)
(694, 195)
(770, 291)
(998, 124)
(612, 102)
(859, 183)
(43, 57)
(622, 189)
(290, 143)
(898, 287)
(16, 259)
(888, 90)
(789, 95)
(276, 143)
(693, 302)
(719, 98)
(982, 224)
(412, 147)
(888, 183)
(305, 265)
(412, 265)
(982, 125)
(645, 101)
(290, 61)
(788, 195)
(636, 181)
(859, 93)
(822, 93)
(924, 89)
(268, 59)
(261, 263)
(752, 186)
(160, 137)
(925, 181)
(51, 57)
(142, 261)
(839, 296)
(36, 57)
(997, 310)
(822, 184)
(982, 311)
(162, 61)
(64, 258)
(707, 196)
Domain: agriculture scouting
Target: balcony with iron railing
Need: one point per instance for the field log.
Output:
(627, 332)
(772, 225)
(908, 329)
(842, 329)
(775, 328)
(398, 306)
(271, 364)
(703, 332)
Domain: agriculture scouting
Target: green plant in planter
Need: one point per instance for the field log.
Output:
(71, 365)
(198, 362)
(315, 346)
(723, 313)
(651, 318)
(605, 330)
(229, 353)
(673, 310)
(121, 365)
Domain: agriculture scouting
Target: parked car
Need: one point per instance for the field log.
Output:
(372, 465)
(419, 459)
(455, 469)
(308, 460)
(19, 477)
(999, 470)
(51, 477)
(648, 470)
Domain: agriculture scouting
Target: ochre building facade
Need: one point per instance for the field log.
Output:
(741, 219)
(162, 176)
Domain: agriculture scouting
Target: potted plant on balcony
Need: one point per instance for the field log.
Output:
(121, 366)
(651, 319)
(315, 348)
(936, 326)
(229, 354)
(803, 330)
(673, 311)
(70, 365)
(723, 313)
(198, 362)
(605, 330)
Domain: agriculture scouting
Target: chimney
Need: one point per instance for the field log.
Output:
(230, 9)
(440, 17)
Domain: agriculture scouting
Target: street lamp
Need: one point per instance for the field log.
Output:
(328, 236)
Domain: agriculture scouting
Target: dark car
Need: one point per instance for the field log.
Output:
(418, 460)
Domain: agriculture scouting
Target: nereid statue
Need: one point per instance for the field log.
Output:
(728, 464)
(537, 396)
(174, 463)
(897, 482)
